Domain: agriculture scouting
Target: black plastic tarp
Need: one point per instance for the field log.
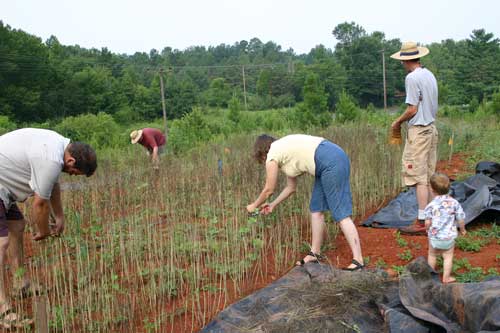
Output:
(419, 302)
(477, 194)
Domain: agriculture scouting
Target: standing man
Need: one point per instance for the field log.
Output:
(153, 140)
(31, 161)
(420, 151)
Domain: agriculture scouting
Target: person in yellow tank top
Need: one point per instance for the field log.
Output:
(298, 154)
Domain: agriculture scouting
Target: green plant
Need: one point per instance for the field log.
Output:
(6, 125)
(98, 130)
(474, 274)
(346, 109)
(380, 263)
(398, 269)
(400, 240)
(470, 244)
(405, 255)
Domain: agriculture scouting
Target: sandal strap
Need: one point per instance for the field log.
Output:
(318, 256)
(357, 263)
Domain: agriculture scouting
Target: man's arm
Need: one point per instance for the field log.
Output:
(40, 212)
(155, 154)
(57, 209)
(410, 111)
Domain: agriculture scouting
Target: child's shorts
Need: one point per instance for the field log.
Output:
(442, 244)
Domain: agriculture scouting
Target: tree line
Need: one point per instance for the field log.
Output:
(47, 81)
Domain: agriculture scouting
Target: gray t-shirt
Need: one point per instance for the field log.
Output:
(31, 161)
(421, 86)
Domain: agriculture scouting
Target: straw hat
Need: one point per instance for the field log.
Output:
(409, 51)
(135, 136)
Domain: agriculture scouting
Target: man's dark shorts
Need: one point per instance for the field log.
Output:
(12, 214)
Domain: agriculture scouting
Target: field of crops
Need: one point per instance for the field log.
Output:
(165, 251)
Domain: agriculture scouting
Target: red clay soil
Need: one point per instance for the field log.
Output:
(456, 166)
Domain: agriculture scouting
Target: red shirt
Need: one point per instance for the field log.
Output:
(152, 137)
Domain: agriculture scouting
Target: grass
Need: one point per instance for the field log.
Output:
(167, 250)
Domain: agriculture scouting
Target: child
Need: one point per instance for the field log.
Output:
(441, 216)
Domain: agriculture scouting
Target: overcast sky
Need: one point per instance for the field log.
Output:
(127, 26)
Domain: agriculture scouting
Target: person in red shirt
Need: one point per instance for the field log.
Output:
(153, 140)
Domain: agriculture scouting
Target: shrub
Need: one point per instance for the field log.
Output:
(234, 110)
(346, 109)
(370, 108)
(495, 102)
(6, 125)
(97, 130)
(473, 104)
(189, 131)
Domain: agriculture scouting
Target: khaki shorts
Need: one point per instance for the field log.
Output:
(419, 155)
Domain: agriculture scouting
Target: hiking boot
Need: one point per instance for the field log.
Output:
(417, 228)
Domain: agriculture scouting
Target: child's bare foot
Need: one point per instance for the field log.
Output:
(449, 280)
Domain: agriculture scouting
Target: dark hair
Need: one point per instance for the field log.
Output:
(413, 60)
(85, 157)
(261, 147)
(440, 183)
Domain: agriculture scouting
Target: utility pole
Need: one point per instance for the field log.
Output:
(385, 85)
(244, 87)
(163, 103)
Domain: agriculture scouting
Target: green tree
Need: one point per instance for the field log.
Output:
(315, 98)
(234, 110)
(346, 109)
(361, 56)
(219, 93)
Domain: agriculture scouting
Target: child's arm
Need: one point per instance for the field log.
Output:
(460, 217)
(427, 224)
(461, 226)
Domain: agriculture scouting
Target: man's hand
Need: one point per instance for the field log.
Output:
(463, 232)
(396, 125)
(156, 162)
(39, 236)
(58, 229)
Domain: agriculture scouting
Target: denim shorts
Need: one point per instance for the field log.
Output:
(332, 190)
(13, 213)
(442, 244)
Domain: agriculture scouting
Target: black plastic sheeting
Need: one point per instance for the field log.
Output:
(418, 303)
(478, 194)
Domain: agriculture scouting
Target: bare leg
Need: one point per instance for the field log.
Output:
(16, 251)
(431, 257)
(318, 232)
(447, 266)
(4, 302)
(352, 237)
(422, 196)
